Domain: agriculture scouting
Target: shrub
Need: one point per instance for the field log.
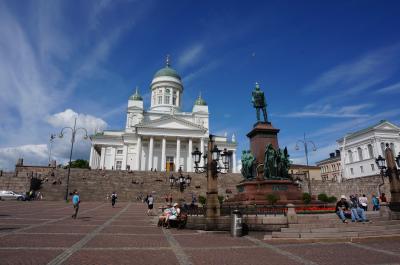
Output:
(220, 199)
(323, 197)
(202, 200)
(306, 198)
(272, 198)
(332, 199)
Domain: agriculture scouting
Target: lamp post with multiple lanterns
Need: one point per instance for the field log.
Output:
(74, 130)
(212, 168)
(389, 168)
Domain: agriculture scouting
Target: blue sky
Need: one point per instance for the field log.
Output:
(327, 68)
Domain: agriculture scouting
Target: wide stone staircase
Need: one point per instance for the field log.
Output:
(328, 227)
(95, 185)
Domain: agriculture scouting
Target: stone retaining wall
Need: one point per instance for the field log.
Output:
(365, 185)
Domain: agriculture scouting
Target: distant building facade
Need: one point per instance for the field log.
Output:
(331, 168)
(313, 172)
(359, 149)
(161, 138)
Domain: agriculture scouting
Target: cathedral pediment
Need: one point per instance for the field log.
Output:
(385, 125)
(171, 122)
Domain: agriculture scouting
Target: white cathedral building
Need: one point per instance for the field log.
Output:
(161, 138)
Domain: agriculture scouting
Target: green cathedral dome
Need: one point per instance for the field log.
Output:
(136, 96)
(200, 101)
(167, 71)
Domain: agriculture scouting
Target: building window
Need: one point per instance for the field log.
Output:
(370, 151)
(362, 169)
(166, 101)
(159, 99)
(383, 149)
(118, 165)
(120, 152)
(350, 156)
(372, 167)
(360, 155)
(174, 98)
(351, 171)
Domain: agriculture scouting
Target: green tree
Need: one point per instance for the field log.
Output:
(306, 198)
(202, 200)
(80, 163)
(272, 198)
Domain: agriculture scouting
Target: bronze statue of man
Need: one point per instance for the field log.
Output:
(258, 100)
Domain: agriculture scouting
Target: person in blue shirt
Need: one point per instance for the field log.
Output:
(75, 202)
(375, 203)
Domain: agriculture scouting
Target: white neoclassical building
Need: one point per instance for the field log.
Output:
(162, 137)
(359, 149)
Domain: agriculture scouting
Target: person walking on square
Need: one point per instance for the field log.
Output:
(75, 202)
(113, 198)
(150, 201)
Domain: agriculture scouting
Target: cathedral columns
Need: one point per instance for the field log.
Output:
(163, 146)
(151, 145)
(125, 157)
(102, 157)
(234, 161)
(189, 160)
(91, 160)
(138, 153)
(178, 154)
(202, 151)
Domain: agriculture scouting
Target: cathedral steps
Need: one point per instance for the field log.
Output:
(329, 227)
(95, 185)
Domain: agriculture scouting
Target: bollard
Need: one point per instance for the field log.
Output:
(236, 224)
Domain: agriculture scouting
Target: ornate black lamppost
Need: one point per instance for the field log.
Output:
(73, 130)
(212, 168)
(381, 163)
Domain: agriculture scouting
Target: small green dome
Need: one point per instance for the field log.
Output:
(167, 71)
(200, 101)
(136, 96)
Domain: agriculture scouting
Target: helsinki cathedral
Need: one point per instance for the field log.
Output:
(161, 138)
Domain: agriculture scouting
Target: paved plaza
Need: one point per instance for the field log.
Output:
(44, 233)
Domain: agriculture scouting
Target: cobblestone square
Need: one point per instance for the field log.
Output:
(44, 233)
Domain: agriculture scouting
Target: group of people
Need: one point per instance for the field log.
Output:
(170, 213)
(356, 207)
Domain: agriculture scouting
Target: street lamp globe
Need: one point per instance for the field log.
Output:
(171, 180)
(196, 154)
(225, 157)
(381, 162)
(215, 153)
(188, 180)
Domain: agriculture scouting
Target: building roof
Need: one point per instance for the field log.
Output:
(359, 132)
(167, 71)
(328, 160)
(200, 101)
(303, 166)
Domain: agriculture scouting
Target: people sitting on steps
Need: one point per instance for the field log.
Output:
(357, 210)
(341, 207)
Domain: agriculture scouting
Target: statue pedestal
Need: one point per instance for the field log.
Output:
(262, 134)
(256, 191)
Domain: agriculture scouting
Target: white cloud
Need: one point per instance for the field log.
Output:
(32, 154)
(67, 117)
(327, 111)
(360, 74)
(395, 88)
(190, 56)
